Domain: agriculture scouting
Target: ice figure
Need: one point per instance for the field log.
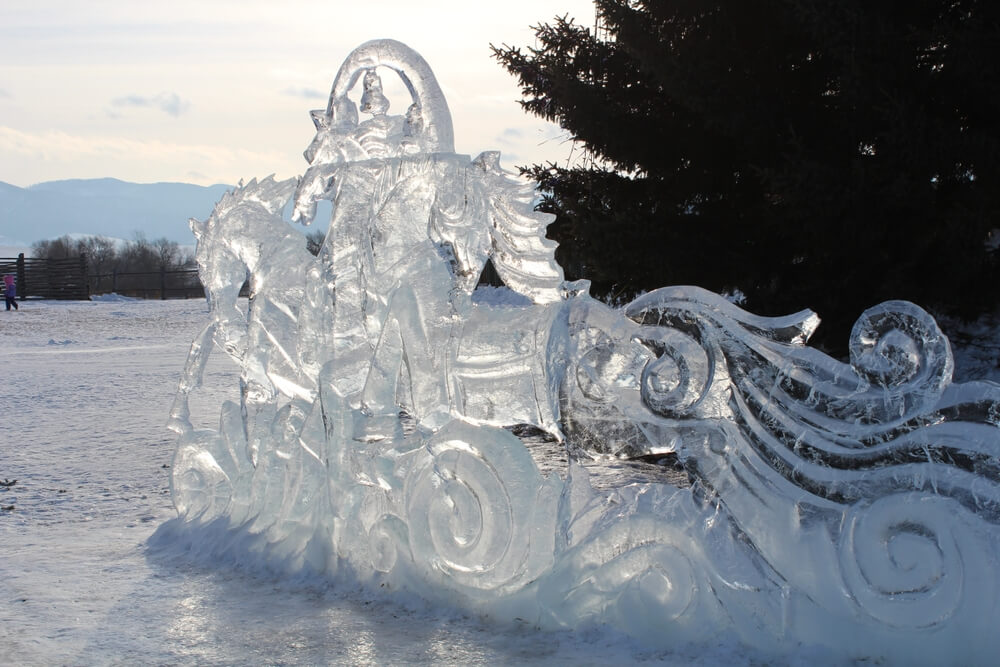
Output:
(385, 410)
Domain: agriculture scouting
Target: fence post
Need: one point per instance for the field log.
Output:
(114, 280)
(22, 287)
(163, 283)
(84, 275)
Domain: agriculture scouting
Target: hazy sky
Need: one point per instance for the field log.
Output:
(211, 91)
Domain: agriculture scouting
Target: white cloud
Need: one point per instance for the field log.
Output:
(240, 77)
(304, 93)
(169, 103)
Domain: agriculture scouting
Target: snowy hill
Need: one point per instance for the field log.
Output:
(105, 207)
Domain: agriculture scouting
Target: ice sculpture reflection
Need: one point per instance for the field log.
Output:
(382, 403)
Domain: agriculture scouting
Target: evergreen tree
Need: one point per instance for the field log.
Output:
(829, 155)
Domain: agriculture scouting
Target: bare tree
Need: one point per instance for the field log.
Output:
(63, 247)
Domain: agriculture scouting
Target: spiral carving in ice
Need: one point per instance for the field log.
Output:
(912, 561)
(401, 424)
(199, 485)
(478, 510)
(894, 345)
(679, 379)
(637, 571)
(386, 538)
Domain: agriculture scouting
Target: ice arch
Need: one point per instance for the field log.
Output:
(415, 73)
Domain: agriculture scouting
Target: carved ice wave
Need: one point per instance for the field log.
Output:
(375, 434)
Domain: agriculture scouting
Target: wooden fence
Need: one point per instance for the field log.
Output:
(163, 284)
(69, 279)
(48, 278)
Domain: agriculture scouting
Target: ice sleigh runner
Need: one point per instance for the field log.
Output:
(380, 397)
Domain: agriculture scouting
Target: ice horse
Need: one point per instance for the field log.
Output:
(388, 402)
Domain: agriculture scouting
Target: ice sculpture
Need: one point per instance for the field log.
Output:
(386, 408)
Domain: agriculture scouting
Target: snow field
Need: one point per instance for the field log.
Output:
(86, 391)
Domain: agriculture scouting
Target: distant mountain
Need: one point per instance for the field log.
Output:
(105, 207)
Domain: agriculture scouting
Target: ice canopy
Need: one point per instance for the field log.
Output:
(388, 407)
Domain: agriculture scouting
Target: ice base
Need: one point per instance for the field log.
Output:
(381, 394)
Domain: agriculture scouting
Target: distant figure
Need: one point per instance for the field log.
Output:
(10, 290)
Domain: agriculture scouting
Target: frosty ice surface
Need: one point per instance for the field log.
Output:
(375, 437)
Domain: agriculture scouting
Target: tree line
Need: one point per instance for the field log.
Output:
(126, 266)
(105, 255)
(135, 265)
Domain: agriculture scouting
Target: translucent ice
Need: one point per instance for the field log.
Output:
(402, 428)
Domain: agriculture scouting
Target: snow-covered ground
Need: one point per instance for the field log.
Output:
(86, 390)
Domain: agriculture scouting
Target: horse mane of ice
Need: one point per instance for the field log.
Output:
(380, 401)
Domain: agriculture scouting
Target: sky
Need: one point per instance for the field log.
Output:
(206, 92)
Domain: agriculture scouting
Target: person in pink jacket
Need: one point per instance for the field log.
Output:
(10, 291)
